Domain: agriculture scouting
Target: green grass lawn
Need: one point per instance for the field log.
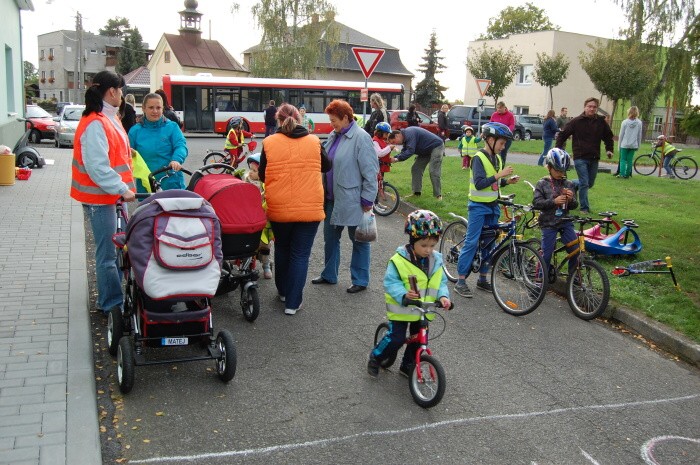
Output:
(666, 210)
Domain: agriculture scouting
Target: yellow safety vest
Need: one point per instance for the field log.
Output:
(428, 286)
(469, 146)
(488, 194)
(241, 138)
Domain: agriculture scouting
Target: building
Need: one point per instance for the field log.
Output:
(12, 79)
(187, 53)
(389, 69)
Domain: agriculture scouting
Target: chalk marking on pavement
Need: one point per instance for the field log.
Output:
(425, 426)
(648, 447)
(588, 456)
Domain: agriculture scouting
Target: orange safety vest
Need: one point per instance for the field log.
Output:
(83, 188)
(293, 182)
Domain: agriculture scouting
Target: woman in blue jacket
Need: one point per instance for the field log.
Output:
(549, 132)
(160, 142)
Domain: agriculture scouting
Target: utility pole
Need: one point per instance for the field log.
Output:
(77, 73)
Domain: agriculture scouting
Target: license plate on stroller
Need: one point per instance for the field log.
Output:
(174, 341)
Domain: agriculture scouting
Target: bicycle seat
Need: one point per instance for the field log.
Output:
(630, 223)
(607, 213)
(508, 198)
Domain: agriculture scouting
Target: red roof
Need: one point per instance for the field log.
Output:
(195, 52)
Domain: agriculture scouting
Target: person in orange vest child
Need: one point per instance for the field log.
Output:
(101, 175)
(235, 141)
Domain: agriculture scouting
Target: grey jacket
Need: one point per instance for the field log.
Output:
(355, 170)
(630, 134)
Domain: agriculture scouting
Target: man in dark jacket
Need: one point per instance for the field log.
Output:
(270, 120)
(588, 131)
(428, 148)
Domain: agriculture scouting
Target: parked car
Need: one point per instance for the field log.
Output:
(528, 127)
(61, 105)
(67, 122)
(434, 116)
(460, 115)
(44, 125)
(397, 119)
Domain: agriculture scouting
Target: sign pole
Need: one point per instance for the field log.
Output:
(364, 104)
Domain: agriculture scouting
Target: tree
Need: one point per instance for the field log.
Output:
(618, 70)
(429, 90)
(518, 20)
(298, 38)
(116, 27)
(691, 121)
(31, 75)
(551, 71)
(132, 54)
(500, 66)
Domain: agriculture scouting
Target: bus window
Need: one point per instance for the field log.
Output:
(251, 100)
(177, 98)
(314, 101)
(227, 99)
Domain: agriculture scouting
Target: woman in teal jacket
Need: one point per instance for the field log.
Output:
(160, 142)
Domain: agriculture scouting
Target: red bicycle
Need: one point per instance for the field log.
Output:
(387, 200)
(214, 157)
(427, 380)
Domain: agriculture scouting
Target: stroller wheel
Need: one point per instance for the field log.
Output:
(226, 363)
(250, 303)
(115, 330)
(125, 365)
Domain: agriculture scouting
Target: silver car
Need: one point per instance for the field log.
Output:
(528, 127)
(67, 122)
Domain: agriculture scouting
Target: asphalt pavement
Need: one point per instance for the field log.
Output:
(545, 388)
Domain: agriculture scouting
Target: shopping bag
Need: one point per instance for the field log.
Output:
(366, 231)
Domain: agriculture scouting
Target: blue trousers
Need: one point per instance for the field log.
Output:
(103, 221)
(547, 146)
(293, 243)
(549, 240)
(360, 259)
(394, 339)
(587, 170)
(480, 214)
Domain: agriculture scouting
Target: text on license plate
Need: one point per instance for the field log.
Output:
(174, 341)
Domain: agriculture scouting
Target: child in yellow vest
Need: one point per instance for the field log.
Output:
(667, 153)
(267, 236)
(468, 145)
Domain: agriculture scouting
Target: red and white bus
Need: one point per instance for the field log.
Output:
(205, 103)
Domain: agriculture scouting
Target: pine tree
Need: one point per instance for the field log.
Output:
(429, 91)
(132, 54)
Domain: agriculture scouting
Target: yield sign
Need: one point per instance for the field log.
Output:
(368, 59)
(483, 85)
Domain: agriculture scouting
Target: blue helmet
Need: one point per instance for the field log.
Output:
(558, 159)
(383, 126)
(423, 223)
(254, 158)
(497, 130)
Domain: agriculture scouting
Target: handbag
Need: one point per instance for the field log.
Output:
(366, 231)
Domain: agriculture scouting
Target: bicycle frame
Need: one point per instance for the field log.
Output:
(421, 337)
(580, 240)
(638, 268)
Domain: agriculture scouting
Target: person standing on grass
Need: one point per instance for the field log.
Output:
(563, 119)
(588, 130)
(630, 140)
(442, 122)
(429, 150)
(549, 132)
(504, 116)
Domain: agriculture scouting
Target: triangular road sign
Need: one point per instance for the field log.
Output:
(368, 59)
(483, 85)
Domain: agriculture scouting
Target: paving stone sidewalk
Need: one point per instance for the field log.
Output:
(48, 412)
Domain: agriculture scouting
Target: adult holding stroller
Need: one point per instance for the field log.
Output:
(291, 163)
(160, 142)
(101, 174)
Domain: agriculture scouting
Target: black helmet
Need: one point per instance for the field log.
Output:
(497, 130)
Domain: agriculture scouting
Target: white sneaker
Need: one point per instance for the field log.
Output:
(292, 311)
(281, 297)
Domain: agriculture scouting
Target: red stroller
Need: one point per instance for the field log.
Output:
(238, 205)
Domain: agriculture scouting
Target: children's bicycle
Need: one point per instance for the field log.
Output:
(683, 167)
(518, 275)
(427, 380)
(224, 157)
(588, 287)
(387, 200)
(649, 266)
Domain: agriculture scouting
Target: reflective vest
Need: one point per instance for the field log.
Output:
(488, 194)
(83, 188)
(469, 146)
(239, 135)
(427, 285)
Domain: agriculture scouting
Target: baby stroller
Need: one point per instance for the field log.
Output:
(171, 258)
(238, 205)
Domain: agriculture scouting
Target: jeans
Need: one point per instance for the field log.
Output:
(504, 152)
(480, 214)
(270, 130)
(394, 339)
(549, 241)
(434, 161)
(667, 162)
(293, 243)
(547, 146)
(359, 261)
(587, 170)
(103, 221)
(626, 157)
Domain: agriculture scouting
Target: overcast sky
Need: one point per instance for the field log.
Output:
(399, 23)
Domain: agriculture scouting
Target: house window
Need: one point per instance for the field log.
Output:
(525, 75)
(50, 54)
(658, 123)
(521, 110)
(93, 52)
(52, 74)
(166, 56)
(9, 79)
(43, 75)
(41, 54)
(103, 53)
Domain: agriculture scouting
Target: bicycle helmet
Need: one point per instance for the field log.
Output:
(661, 137)
(497, 130)
(558, 159)
(384, 127)
(254, 158)
(423, 223)
(234, 122)
(466, 128)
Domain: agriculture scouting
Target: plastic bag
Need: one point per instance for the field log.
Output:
(366, 231)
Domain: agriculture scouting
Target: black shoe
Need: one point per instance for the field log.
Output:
(354, 289)
(320, 280)
(407, 370)
(373, 366)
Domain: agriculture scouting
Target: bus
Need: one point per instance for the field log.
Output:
(205, 103)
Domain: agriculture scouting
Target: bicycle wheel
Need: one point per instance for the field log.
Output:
(519, 279)
(387, 201)
(685, 168)
(588, 290)
(451, 244)
(427, 391)
(216, 157)
(379, 334)
(645, 164)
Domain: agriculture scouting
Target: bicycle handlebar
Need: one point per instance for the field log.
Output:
(424, 307)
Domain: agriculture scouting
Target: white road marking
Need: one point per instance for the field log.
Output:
(648, 447)
(426, 426)
(588, 456)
